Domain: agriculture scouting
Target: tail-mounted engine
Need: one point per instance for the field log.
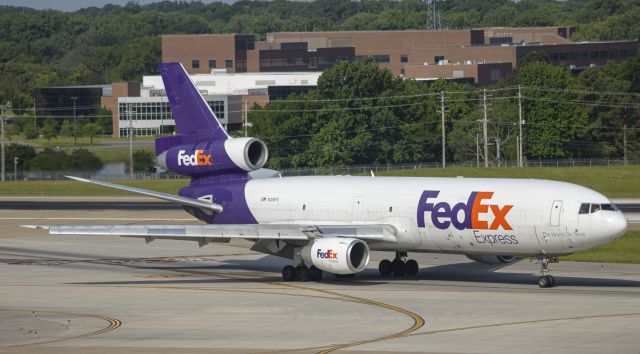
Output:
(337, 255)
(239, 154)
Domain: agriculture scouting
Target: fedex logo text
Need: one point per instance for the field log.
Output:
(330, 254)
(199, 158)
(444, 215)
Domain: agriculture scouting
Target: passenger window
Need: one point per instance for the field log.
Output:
(595, 207)
(584, 208)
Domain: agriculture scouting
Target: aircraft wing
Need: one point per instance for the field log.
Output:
(204, 234)
(164, 196)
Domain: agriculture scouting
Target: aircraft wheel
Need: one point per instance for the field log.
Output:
(302, 273)
(544, 282)
(399, 267)
(385, 267)
(412, 267)
(315, 274)
(551, 280)
(289, 273)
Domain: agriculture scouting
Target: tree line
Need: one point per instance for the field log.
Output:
(114, 43)
(361, 114)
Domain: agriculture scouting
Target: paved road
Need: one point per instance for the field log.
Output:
(78, 294)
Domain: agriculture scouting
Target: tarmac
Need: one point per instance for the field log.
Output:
(97, 294)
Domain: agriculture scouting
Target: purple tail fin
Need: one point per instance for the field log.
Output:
(191, 113)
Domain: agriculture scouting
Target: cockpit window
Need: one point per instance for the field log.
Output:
(587, 208)
(584, 208)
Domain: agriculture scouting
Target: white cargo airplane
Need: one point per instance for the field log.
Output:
(331, 223)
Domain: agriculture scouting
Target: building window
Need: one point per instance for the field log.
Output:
(402, 72)
(438, 58)
(195, 64)
(212, 64)
(495, 74)
(228, 63)
(381, 58)
(404, 58)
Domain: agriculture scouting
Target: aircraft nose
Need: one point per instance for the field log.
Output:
(617, 225)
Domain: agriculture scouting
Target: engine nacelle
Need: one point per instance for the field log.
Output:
(239, 154)
(491, 259)
(337, 255)
(249, 154)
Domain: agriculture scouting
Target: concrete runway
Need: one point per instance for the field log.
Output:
(75, 294)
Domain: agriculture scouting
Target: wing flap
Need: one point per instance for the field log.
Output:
(288, 232)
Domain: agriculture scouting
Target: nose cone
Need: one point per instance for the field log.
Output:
(616, 225)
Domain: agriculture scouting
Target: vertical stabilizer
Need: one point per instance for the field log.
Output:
(191, 113)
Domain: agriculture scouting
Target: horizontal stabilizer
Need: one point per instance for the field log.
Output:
(159, 195)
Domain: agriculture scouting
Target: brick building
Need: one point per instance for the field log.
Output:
(481, 55)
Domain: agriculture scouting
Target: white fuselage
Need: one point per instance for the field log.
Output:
(507, 217)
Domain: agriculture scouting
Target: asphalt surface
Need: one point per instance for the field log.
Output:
(80, 294)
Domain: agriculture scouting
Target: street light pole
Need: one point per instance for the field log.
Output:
(129, 115)
(2, 110)
(15, 168)
(75, 132)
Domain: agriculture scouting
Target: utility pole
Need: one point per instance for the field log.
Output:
(15, 168)
(484, 127)
(444, 162)
(477, 151)
(624, 142)
(129, 115)
(3, 107)
(75, 132)
(498, 150)
(520, 154)
(35, 122)
(518, 150)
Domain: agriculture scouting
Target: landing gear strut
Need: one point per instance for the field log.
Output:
(545, 280)
(301, 273)
(399, 266)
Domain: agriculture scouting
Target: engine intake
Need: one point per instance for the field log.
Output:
(491, 259)
(337, 255)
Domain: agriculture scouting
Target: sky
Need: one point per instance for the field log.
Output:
(73, 5)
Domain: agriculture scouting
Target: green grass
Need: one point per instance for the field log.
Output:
(612, 181)
(75, 189)
(67, 142)
(626, 249)
(116, 154)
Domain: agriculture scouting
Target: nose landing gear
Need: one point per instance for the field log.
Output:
(545, 280)
(399, 266)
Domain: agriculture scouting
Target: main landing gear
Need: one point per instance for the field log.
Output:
(399, 266)
(301, 273)
(545, 280)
